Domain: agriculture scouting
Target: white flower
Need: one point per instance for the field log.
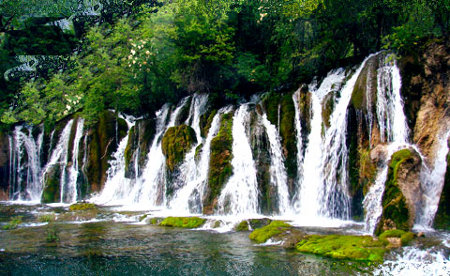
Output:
(134, 61)
(147, 52)
(133, 52)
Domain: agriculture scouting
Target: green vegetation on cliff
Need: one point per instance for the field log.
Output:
(176, 142)
(358, 248)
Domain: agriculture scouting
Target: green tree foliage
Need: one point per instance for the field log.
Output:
(144, 55)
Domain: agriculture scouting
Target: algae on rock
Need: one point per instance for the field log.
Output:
(275, 228)
(176, 142)
(183, 222)
(220, 168)
(401, 193)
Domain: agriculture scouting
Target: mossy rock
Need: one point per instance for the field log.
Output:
(358, 248)
(275, 228)
(396, 214)
(405, 237)
(206, 121)
(176, 142)
(242, 226)
(183, 222)
(367, 78)
(52, 192)
(82, 206)
(220, 168)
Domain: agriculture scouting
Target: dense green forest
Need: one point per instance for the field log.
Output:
(133, 56)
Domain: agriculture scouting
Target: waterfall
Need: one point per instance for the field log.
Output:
(60, 155)
(298, 133)
(391, 118)
(21, 145)
(278, 176)
(432, 180)
(117, 185)
(190, 171)
(308, 204)
(69, 190)
(240, 194)
(149, 189)
(189, 197)
(393, 129)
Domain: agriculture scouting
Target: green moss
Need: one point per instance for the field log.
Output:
(13, 223)
(220, 168)
(51, 192)
(327, 109)
(395, 209)
(183, 222)
(198, 150)
(176, 142)
(359, 248)
(129, 148)
(276, 227)
(47, 218)
(288, 135)
(242, 226)
(141, 218)
(82, 206)
(205, 122)
(405, 237)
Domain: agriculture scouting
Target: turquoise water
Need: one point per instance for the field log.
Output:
(118, 248)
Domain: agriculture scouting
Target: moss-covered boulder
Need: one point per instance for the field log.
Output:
(391, 236)
(358, 248)
(362, 98)
(220, 168)
(242, 226)
(82, 206)
(52, 189)
(402, 192)
(176, 142)
(183, 222)
(275, 228)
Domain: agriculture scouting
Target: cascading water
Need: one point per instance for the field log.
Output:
(240, 194)
(59, 155)
(117, 185)
(24, 144)
(69, 189)
(393, 129)
(308, 204)
(298, 133)
(432, 180)
(189, 197)
(278, 176)
(190, 171)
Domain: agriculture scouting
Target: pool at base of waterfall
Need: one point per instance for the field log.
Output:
(53, 240)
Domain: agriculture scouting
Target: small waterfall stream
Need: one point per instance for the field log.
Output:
(393, 129)
(278, 176)
(25, 144)
(240, 194)
(308, 204)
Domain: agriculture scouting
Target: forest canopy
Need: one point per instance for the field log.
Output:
(72, 56)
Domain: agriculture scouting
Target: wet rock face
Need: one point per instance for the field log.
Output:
(402, 193)
(103, 139)
(220, 168)
(442, 218)
(4, 166)
(176, 142)
(52, 189)
(139, 141)
(425, 86)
